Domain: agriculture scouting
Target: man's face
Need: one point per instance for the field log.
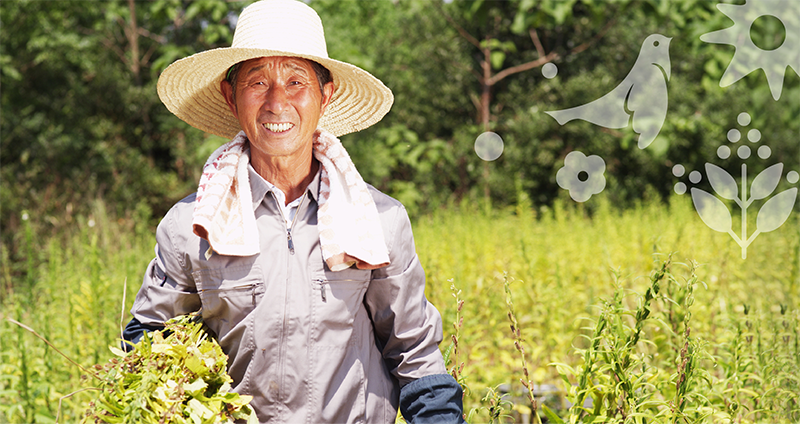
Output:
(278, 104)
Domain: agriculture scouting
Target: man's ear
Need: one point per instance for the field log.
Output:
(227, 92)
(327, 95)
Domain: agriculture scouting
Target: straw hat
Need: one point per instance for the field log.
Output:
(190, 86)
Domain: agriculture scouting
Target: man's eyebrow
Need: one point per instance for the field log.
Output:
(255, 69)
(297, 68)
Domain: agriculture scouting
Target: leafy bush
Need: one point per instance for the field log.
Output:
(175, 376)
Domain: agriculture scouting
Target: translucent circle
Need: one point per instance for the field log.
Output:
(743, 152)
(743, 119)
(792, 177)
(695, 177)
(549, 70)
(678, 170)
(767, 32)
(680, 188)
(754, 136)
(734, 135)
(764, 152)
(489, 146)
(724, 152)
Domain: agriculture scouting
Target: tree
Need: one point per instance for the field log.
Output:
(81, 118)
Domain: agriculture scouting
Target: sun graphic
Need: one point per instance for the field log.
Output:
(748, 56)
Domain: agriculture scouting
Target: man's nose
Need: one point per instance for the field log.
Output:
(275, 99)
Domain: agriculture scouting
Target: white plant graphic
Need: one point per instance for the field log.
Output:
(716, 214)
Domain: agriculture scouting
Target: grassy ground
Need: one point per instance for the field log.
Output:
(568, 270)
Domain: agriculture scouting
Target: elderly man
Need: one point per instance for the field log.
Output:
(307, 276)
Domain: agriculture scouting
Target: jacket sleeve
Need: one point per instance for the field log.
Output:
(167, 288)
(409, 330)
(432, 399)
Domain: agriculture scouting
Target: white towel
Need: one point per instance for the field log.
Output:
(348, 222)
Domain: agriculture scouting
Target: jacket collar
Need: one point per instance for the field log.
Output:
(259, 187)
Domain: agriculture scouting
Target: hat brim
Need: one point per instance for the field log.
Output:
(190, 89)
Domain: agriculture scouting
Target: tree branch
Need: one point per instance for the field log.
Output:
(523, 67)
(155, 37)
(597, 37)
(113, 47)
(549, 57)
(475, 101)
(146, 57)
(537, 42)
(461, 31)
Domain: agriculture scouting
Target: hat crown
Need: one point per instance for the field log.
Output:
(281, 25)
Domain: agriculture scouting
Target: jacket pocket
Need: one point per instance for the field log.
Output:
(228, 295)
(336, 301)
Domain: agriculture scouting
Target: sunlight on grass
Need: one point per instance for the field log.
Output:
(567, 267)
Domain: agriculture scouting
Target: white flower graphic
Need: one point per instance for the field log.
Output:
(582, 176)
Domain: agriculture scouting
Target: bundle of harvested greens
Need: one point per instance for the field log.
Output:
(177, 375)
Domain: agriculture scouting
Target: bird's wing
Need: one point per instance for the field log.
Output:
(607, 111)
(647, 103)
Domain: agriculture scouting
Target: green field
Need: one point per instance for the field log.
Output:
(577, 276)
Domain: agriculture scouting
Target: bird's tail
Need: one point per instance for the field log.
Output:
(561, 116)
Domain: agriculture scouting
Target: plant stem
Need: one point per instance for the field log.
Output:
(745, 203)
(32, 331)
(515, 331)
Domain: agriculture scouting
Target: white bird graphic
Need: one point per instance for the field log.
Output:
(640, 100)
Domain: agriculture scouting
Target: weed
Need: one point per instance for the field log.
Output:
(517, 335)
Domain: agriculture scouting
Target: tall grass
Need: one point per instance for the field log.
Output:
(568, 263)
(72, 297)
(567, 267)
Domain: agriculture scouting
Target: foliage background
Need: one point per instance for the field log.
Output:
(81, 119)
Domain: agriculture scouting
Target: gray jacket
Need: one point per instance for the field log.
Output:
(309, 344)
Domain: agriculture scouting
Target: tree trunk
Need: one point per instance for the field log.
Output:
(486, 101)
(133, 39)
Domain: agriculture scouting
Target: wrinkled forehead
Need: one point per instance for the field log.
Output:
(296, 64)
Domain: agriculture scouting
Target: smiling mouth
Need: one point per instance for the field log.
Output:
(279, 128)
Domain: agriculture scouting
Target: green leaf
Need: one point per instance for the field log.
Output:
(497, 58)
(551, 416)
(195, 365)
(196, 386)
(117, 351)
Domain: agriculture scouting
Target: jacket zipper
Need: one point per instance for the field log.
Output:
(289, 241)
(322, 289)
(290, 245)
(322, 283)
(239, 287)
(289, 230)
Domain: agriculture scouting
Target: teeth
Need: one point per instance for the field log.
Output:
(278, 127)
